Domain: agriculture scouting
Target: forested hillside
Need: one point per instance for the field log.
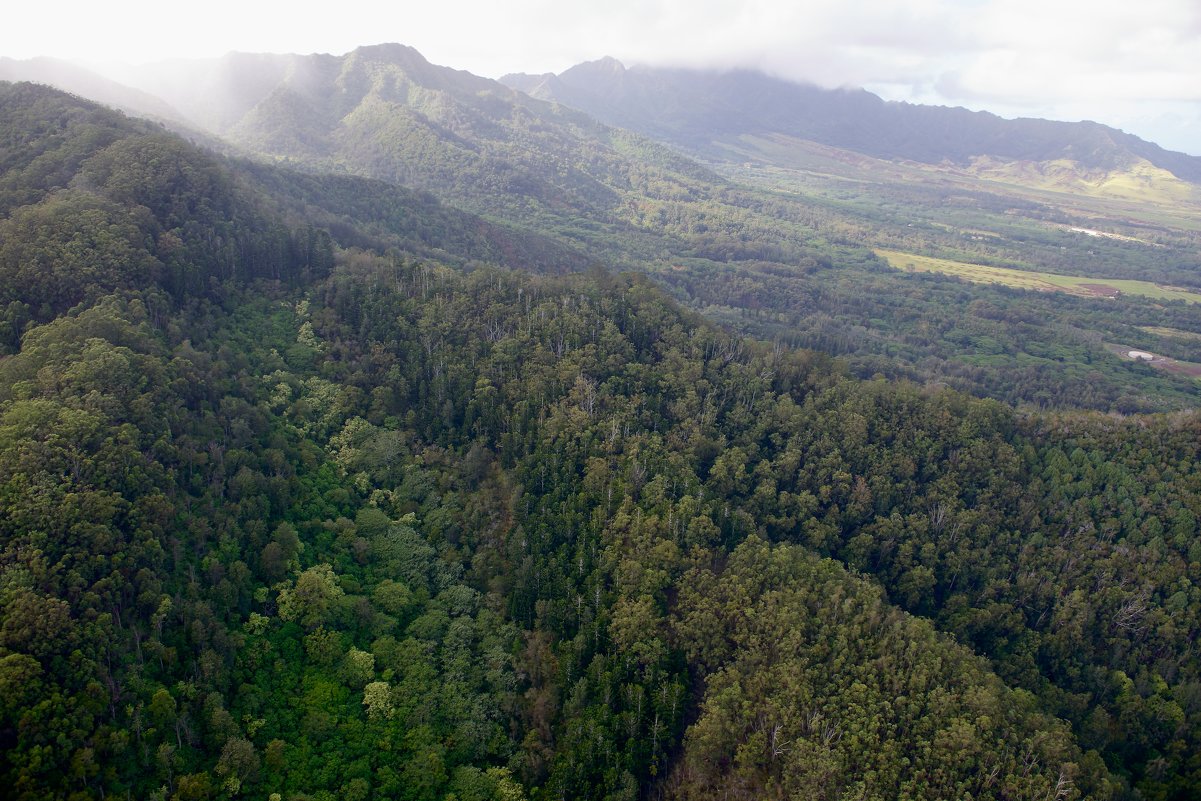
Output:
(772, 238)
(763, 260)
(387, 113)
(310, 516)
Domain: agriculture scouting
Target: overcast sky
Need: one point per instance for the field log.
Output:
(1135, 64)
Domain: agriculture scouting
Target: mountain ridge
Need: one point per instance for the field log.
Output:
(384, 111)
(692, 108)
(89, 84)
(697, 108)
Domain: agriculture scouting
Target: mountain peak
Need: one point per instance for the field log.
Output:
(605, 72)
(390, 51)
(609, 63)
(606, 65)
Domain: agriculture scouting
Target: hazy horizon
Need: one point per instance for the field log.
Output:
(1131, 67)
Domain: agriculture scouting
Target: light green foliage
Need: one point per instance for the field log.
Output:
(311, 599)
(393, 597)
(1085, 286)
(237, 764)
(377, 697)
(358, 667)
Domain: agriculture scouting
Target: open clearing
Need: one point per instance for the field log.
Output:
(1190, 369)
(1174, 333)
(1040, 282)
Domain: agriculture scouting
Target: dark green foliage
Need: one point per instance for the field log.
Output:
(74, 246)
(816, 688)
(44, 139)
(140, 208)
(931, 493)
(350, 524)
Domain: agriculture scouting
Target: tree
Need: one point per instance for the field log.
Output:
(311, 599)
(238, 764)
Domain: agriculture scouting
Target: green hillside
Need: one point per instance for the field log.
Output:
(773, 237)
(378, 520)
(779, 247)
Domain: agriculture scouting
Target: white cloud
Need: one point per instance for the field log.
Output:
(1035, 50)
(1109, 60)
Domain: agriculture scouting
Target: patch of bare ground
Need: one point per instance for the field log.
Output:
(1101, 290)
(1183, 368)
(1165, 363)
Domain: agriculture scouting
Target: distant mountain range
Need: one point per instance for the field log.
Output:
(536, 168)
(701, 110)
(386, 112)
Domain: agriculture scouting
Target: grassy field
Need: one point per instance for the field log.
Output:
(1172, 333)
(1037, 281)
(1140, 194)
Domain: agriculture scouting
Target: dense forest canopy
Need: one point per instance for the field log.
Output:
(301, 507)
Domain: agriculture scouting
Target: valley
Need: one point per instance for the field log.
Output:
(788, 226)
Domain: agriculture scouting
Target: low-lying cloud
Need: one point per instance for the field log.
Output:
(1134, 65)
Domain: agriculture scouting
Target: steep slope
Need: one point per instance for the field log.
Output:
(96, 202)
(386, 112)
(698, 109)
(47, 137)
(87, 83)
(377, 215)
